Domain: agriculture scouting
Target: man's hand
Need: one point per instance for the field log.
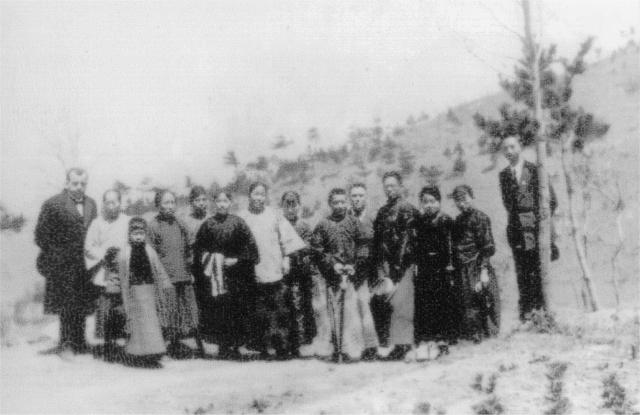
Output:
(484, 276)
(229, 262)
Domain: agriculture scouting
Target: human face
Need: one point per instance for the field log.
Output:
(77, 184)
(199, 204)
(168, 204)
(111, 205)
(463, 202)
(290, 209)
(338, 204)
(222, 204)
(358, 198)
(258, 198)
(138, 236)
(392, 187)
(511, 149)
(430, 204)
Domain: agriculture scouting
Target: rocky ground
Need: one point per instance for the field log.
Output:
(519, 360)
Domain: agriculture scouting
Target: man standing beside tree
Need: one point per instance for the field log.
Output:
(520, 195)
(60, 234)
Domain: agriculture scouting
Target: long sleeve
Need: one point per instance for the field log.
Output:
(203, 236)
(376, 241)
(44, 229)
(161, 275)
(290, 242)
(248, 247)
(553, 200)
(505, 191)
(324, 258)
(484, 237)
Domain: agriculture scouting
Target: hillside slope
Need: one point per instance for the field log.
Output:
(609, 89)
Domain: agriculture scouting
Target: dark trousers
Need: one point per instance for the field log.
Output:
(381, 310)
(72, 326)
(529, 283)
(272, 315)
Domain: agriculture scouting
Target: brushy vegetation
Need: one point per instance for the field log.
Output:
(614, 397)
(559, 404)
(492, 404)
(489, 406)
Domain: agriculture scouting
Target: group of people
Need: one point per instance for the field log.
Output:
(265, 283)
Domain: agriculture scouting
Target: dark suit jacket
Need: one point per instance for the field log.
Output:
(60, 234)
(521, 202)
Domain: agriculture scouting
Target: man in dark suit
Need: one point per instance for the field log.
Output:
(60, 233)
(519, 187)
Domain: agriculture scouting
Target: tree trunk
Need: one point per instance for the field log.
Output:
(544, 211)
(614, 259)
(575, 233)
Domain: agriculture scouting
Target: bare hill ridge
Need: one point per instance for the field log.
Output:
(609, 89)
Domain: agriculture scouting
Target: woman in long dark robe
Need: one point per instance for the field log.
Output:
(226, 308)
(435, 295)
(473, 246)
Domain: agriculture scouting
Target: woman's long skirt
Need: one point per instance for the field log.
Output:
(402, 303)
(144, 324)
(272, 317)
(184, 311)
(436, 315)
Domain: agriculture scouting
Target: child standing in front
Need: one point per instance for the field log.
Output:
(146, 294)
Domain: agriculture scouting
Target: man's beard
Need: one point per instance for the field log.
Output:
(339, 214)
(199, 212)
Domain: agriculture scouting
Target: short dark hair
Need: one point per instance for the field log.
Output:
(78, 171)
(257, 184)
(196, 191)
(357, 184)
(431, 189)
(461, 189)
(392, 173)
(220, 192)
(137, 223)
(116, 191)
(290, 194)
(335, 191)
(160, 194)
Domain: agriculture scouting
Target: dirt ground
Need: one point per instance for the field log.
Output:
(35, 383)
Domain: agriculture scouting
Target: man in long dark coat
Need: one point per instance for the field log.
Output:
(60, 233)
(519, 187)
(393, 253)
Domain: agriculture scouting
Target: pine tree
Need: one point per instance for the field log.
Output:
(562, 126)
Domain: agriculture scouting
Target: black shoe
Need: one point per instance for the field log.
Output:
(443, 349)
(398, 353)
(340, 358)
(229, 353)
(82, 348)
(370, 354)
(178, 350)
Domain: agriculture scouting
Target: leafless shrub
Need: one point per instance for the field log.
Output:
(489, 406)
(560, 404)
(614, 397)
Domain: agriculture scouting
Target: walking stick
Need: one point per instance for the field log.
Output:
(340, 333)
(345, 271)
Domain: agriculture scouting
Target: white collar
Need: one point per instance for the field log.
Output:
(517, 169)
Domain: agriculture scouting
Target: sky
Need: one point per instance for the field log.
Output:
(164, 89)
